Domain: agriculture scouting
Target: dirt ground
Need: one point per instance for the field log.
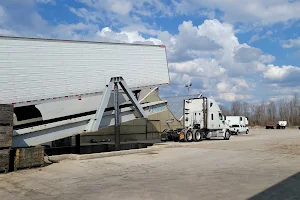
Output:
(262, 165)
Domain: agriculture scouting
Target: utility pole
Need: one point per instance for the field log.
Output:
(188, 85)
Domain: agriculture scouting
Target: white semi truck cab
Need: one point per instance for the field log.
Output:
(203, 119)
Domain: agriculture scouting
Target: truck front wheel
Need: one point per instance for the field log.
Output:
(227, 135)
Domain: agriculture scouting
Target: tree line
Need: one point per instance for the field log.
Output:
(267, 111)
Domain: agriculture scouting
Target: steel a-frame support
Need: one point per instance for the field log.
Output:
(114, 83)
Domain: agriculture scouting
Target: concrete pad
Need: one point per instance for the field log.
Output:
(256, 166)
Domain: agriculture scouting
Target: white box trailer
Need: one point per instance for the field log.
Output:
(61, 88)
(41, 69)
(237, 124)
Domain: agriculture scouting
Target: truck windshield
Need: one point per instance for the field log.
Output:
(235, 126)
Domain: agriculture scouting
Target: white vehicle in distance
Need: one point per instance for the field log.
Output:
(237, 124)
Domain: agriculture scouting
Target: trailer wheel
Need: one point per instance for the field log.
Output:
(197, 136)
(188, 136)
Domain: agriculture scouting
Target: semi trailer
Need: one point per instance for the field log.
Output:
(62, 88)
(202, 119)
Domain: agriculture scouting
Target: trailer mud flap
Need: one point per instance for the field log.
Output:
(181, 136)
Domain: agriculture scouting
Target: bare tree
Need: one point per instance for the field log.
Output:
(224, 110)
(246, 109)
(236, 108)
(284, 111)
(260, 114)
(271, 112)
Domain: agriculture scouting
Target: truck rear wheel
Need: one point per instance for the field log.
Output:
(188, 136)
(197, 136)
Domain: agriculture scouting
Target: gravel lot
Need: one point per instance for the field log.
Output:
(262, 165)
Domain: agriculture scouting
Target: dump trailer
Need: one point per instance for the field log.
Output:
(62, 88)
(237, 124)
(281, 124)
(203, 119)
(270, 125)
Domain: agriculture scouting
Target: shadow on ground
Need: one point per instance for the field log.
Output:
(286, 189)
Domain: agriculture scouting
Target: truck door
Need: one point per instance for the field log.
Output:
(221, 121)
(242, 125)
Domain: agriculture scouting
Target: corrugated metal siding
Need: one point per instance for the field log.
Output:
(38, 69)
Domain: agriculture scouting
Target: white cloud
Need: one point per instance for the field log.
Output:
(232, 85)
(46, 1)
(14, 21)
(257, 37)
(128, 37)
(231, 97)
(188, 43)
(221, 33)
(142, 28)
(240, 83)
(254, 11)
(180, 79)
(216, 40)
(291, 43)
(246, 54)
(277, 98)
(267, 58)
(213, 71)
(210, 14)
(284, 73)
(123, 13)
(79, 31)
(199, 68)
(85, 14)
(223, 86)
(122, 7)
(232, 89)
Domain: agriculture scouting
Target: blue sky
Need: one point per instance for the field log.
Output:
(230, 50)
